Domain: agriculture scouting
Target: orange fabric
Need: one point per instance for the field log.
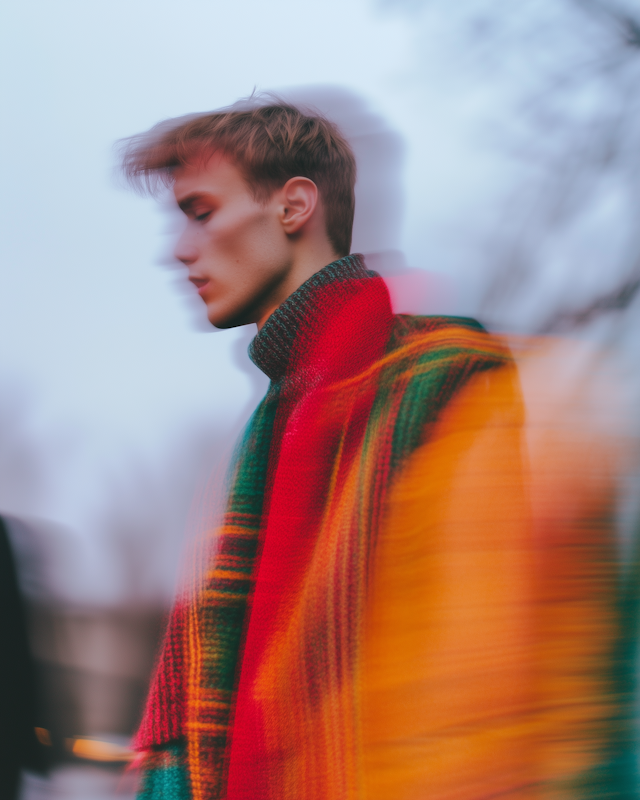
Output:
(447, 685)
(482, 661)
(487, 651)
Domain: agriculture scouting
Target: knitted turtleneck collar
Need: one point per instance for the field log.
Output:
(297, 318)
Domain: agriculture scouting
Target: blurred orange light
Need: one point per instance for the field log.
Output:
(96, 750)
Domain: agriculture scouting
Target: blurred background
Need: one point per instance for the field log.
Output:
(498, 148)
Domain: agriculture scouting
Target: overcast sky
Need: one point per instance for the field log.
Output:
(106, 373)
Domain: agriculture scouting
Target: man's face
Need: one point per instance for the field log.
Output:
(234, 247)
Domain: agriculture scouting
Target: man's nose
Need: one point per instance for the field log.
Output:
(185, 249)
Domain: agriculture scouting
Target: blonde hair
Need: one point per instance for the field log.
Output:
(269, 143)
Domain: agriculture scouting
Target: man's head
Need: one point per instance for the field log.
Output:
(268, 192)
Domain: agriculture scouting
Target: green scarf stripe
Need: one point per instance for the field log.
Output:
(247, 492)
(223, 620)
(436, 375)
(165, 775)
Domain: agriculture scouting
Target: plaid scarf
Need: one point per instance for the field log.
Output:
(274, 628)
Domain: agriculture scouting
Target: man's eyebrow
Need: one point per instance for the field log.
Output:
(185, 203)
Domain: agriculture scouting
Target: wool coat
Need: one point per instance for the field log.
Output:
(369, 624)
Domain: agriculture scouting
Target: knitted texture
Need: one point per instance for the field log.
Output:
(201, 646)
(165, 776)
(354, 391)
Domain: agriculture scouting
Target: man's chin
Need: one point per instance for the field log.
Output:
(224, 322)
(229, 317)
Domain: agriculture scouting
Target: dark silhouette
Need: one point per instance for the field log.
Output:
(19, 745)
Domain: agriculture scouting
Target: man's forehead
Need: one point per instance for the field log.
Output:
(216, 173)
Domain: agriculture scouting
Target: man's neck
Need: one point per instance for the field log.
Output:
(307, 261)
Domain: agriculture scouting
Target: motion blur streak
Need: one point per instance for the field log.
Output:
(491, 663)
(95, 750)
(492, 655)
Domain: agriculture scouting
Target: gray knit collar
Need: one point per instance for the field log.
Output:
(298, 317)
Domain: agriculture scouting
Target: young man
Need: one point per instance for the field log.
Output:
(367, 624)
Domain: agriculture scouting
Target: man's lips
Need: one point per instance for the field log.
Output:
(199, 283)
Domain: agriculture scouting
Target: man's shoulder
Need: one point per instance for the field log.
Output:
(428, 361)
(438, 336)
(425, 353)
(413, 324)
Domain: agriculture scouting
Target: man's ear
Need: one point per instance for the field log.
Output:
(299, 199)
